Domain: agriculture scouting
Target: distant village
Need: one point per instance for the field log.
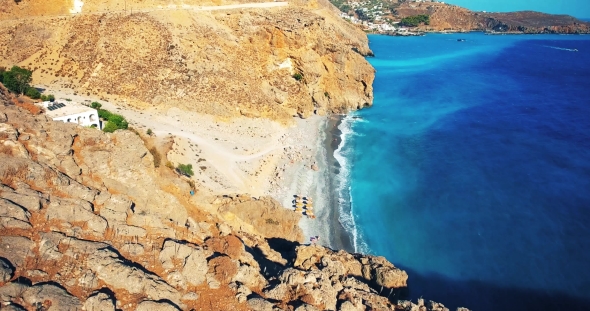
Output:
(375, 16)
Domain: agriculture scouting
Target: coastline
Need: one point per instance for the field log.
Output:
(323, 138)
(341, 238)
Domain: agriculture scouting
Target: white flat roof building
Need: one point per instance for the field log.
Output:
(72, 112)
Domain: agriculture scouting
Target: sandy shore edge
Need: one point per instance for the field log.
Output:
(321, 186)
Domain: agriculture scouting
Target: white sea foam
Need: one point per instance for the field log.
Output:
(343, 183)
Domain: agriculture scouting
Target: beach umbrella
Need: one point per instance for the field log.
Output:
(299, 210)
(299, 204)
(309, 207)
(298, 200)
(309, 200)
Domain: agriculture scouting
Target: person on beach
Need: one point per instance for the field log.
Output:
(314, 239)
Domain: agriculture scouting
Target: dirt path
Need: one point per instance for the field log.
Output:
(79, 10)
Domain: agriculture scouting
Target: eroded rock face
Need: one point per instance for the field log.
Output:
(6, 270)
(99, 301)
(194, 262)
(263, 215)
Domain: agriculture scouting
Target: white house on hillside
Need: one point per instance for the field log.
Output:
(72, 112)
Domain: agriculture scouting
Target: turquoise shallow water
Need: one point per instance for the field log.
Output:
(472, 170)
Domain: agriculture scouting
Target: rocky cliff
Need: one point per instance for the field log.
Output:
(273, 62)
(88, 223)
(445, 17)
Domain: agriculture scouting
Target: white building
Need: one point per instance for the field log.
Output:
(72, 112)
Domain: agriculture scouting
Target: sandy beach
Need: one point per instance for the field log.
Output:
(245, 155)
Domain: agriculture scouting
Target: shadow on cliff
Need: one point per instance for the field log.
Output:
(268, 267)
(482, 296)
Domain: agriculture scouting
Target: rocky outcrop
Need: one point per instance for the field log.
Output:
(260, 215)
(96, 237)
(446, 17)
(272, 63)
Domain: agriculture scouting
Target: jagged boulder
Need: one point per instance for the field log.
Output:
(115, 207)
(99, 301)
(374, 269)
(16, 249)
(59, 299)
(119, 274)
(6, 270)
(264, 215)
(259, 304)
(194, 259)
(29, 202)
(250, 276)
(13, 216)
(153, 305)
(76, 211)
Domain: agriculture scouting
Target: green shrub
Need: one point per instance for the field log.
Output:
(149, 132)
(116, 118)
(185, 169)
(115, 121)
(95, 105)
(33, 93)
(298, 76)
(17, 79)
(105, 114)
(413, 21)
(2, 70)
(51, 98)
(110, 127)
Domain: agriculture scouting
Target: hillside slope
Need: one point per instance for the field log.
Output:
(274, 62)
(445, 17)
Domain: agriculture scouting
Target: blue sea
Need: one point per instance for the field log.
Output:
(472, 169)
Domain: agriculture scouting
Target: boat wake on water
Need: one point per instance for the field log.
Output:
(562, 49)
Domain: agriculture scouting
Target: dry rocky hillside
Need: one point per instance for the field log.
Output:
(88, 223)
(274, 62)
(445, 17)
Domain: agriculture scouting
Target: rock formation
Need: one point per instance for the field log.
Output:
(274, 63)
(88, 223)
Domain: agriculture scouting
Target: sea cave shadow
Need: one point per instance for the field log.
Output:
(481, 296)
(268, 267)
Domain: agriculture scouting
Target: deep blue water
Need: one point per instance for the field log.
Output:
(472, 169)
